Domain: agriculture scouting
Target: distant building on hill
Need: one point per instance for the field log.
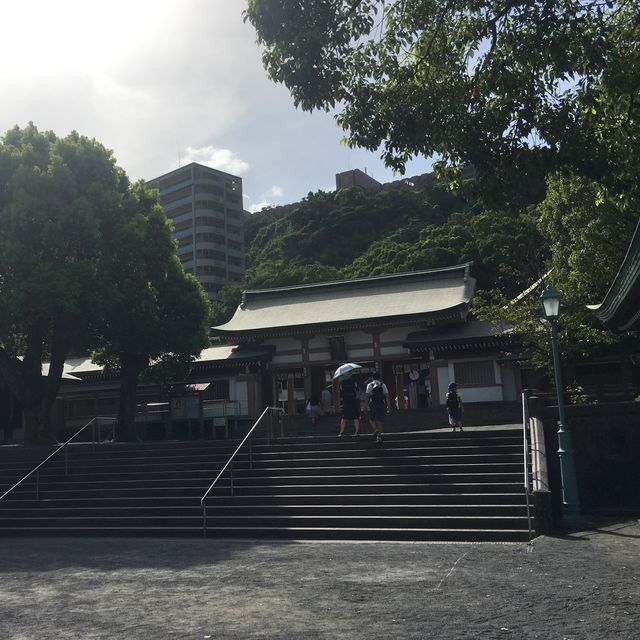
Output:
(356, 178)
(205, 207)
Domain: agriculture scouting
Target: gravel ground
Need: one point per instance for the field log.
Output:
(582, 585)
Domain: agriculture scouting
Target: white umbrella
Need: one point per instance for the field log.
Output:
(345, 369)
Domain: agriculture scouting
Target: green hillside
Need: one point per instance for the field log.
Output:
(401, 227)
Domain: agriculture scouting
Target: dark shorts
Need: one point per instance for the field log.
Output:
(351, 409)
(377, 411)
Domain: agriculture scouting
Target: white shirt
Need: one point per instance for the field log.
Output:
(375, 383)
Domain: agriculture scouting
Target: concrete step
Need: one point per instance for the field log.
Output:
(414, 486)
(319, 499)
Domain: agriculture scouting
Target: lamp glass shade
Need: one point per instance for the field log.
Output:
(550, 299)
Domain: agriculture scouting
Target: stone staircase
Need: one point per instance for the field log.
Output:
(413, 486)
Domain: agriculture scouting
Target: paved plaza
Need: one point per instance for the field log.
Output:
(579, 586)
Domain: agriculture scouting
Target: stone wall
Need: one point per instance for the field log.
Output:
(606, 445)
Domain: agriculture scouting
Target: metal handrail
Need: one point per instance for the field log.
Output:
(66, 457)
(527, 486)
(229, 464)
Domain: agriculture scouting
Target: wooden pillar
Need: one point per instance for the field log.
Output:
(433, 381)
(306, 368)
(399, 375)
(291, 395)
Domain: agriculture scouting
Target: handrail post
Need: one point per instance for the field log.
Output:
(93, 437)
(204, 519)
(38, 485)
(525, 427)
(281, 420)
(229, 465)
(66, 461)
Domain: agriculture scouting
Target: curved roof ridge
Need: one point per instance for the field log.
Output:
(466, 266)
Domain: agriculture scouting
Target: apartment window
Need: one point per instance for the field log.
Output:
(232, 228)
(207, 269)
(232, 213)
(175, 179)
(202, 172)
(477, 373)
(183, 208)
(232, 244)
(235, 277)
(175, 195)
(208, 221)
(210, 237)
(237, 262)
(209, 188)
(210, 253)
(185, 224)
(209, 205)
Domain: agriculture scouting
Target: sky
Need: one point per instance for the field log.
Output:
(166, 82)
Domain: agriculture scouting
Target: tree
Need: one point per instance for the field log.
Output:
(588, 232)
(154, 313)
(517, 89)
(60, 201)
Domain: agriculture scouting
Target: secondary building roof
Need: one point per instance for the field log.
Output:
(416, 296)
(219, 356)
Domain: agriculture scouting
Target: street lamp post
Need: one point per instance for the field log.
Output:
(550, 300)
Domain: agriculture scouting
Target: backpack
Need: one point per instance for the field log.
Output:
(453, 402)
(377, 393)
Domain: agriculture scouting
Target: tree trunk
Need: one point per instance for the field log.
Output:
(60, 347)
(24, 378)
(130, 368)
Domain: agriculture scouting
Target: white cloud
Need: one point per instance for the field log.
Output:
(221, 159)
(266, 199)
(259, 206)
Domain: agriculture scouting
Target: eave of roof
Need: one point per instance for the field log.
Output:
(620, 309)
(470, 335)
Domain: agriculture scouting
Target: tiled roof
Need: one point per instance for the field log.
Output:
(218, 355)
(419, 293)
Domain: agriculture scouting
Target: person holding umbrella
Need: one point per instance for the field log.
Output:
(349, 395)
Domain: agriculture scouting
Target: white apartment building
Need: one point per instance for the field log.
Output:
(205, 207)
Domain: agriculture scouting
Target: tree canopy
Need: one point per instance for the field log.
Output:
(81, 252)
(60, 200)
(152, 312)
(517, 89)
